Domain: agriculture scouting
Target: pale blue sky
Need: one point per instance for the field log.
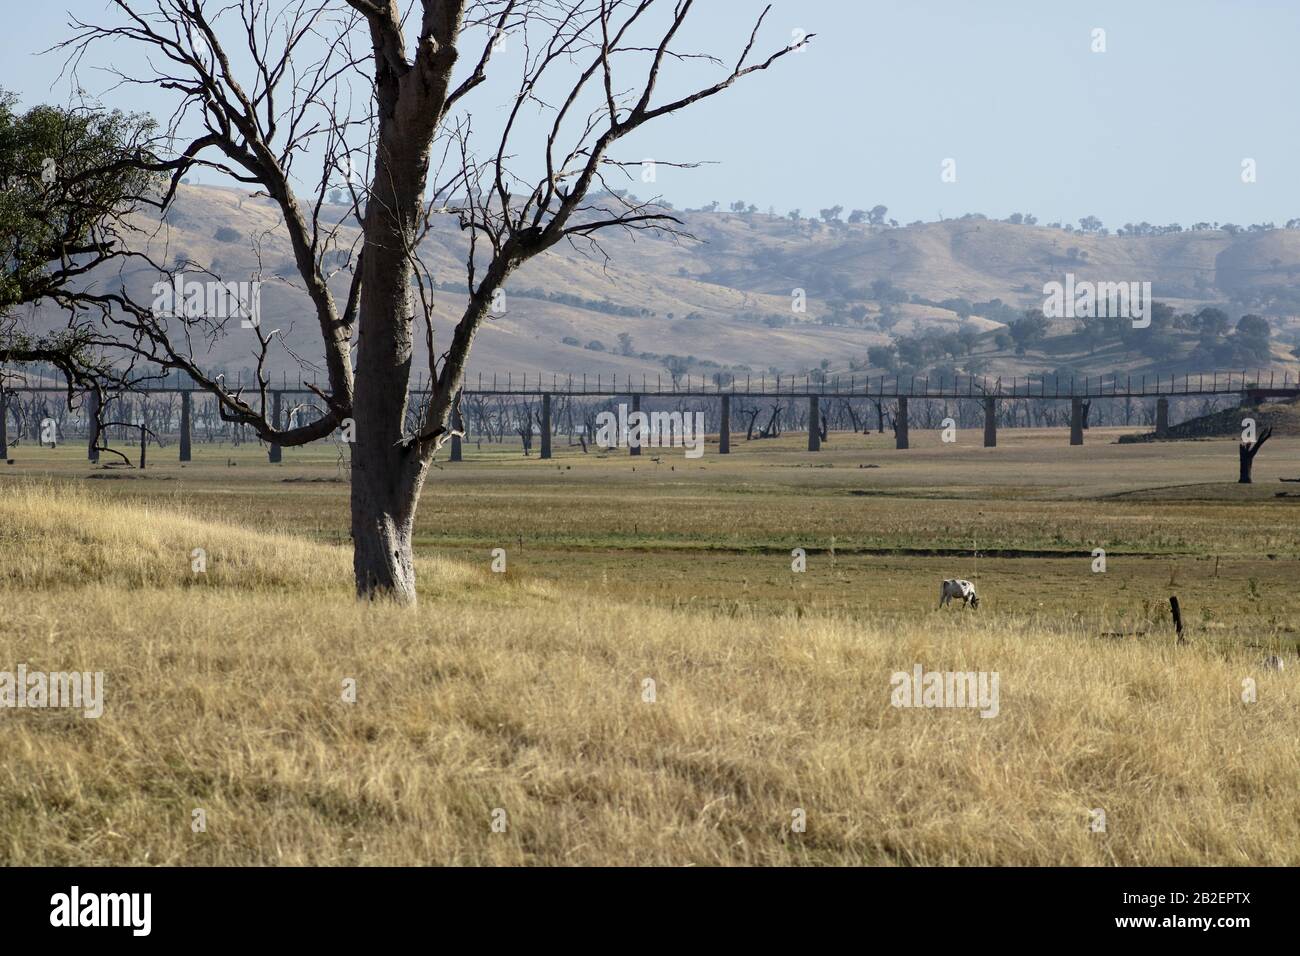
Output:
(1153, 129)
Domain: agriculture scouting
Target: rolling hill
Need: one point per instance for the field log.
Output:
(724, 303)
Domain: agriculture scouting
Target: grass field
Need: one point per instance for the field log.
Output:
(524, 692)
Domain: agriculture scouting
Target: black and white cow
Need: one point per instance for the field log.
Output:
(957, 588)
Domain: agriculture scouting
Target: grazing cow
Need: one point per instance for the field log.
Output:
(957, 588)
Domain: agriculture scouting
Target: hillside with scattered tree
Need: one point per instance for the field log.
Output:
(844, 293)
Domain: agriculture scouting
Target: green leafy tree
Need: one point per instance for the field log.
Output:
(883, 356)
(72, 178)
(1252, 337)
(677, 367)
(1028, 332)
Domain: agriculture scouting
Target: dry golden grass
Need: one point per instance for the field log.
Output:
(224, 692)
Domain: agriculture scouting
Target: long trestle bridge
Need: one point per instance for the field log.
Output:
(1253, 388)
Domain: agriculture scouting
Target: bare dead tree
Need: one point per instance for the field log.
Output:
(145, 434)
(593, 66)
(1246, 453)
(522, 417)
(847, 408)
(477, 411)
(753, 412)
(501, 416)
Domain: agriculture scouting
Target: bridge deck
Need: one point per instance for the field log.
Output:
(1259, 385)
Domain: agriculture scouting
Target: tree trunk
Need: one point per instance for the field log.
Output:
(383, 519)
(387, 474)
(1246, 453)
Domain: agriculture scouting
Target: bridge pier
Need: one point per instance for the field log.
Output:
(724, 430)
(546, 426)
(92, 413)
(900, 424)
(1162, 417)
(185, 425)
(457, 425)
(814, 424)
(275, 454)
(641, 433)
(990, 422)
(1076, 421)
